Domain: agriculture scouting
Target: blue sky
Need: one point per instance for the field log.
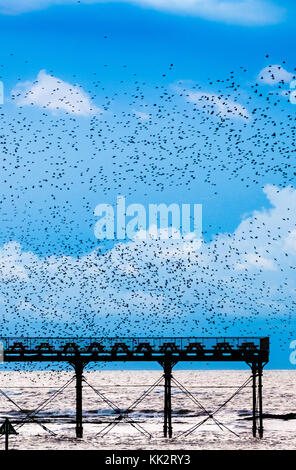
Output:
(131, 80)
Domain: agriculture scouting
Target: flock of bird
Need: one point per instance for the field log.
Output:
(147, 140)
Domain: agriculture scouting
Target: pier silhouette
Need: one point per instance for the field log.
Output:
(254, 351)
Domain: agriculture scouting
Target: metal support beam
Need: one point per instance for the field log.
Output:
(254, 375)
(260, 429)
(167, 426)
(78, 365)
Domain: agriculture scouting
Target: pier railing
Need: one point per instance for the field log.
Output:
(136, 348)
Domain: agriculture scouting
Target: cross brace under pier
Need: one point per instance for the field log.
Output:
(166, 351)
(168, 364)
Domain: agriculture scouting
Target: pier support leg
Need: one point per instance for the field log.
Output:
(254, 390)
(78, 374)
(167, 426)
(260, 429)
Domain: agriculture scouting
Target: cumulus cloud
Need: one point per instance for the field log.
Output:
(290, 243)
(275, 74)
(252, 260)
(13, 263)
(222, 106)
(49, 92)
(141, 115)
(159, 285)
(243, 12)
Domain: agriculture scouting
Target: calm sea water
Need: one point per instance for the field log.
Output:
(121, 388)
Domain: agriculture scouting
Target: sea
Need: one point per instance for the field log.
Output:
(210, 410)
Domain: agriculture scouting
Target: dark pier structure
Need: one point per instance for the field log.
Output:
(166, 351)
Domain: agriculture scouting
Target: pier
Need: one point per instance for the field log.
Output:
(253, 351)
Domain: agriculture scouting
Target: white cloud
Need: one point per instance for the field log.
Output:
(247, 273)
(253, 260)
(274, 74)
(243, 12)
(141, 115)
(222, 106)
(13, 263)
(290, 243)
(49, 92)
